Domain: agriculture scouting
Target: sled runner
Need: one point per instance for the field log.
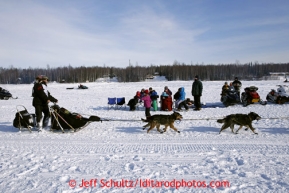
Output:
(62, 119)
(23, 119)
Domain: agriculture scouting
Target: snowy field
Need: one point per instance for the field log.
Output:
(119, 156)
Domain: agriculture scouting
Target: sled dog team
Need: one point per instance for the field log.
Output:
(243, 120)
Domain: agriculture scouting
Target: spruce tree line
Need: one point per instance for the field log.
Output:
(176, 71)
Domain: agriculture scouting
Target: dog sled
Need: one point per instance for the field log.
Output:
(23, 119)
(5, 94)
(251, 96)
(61, 120)
(230, 97)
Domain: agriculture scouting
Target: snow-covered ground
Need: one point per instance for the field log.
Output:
(119, 156)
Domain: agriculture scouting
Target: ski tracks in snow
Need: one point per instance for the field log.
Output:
(51, 164)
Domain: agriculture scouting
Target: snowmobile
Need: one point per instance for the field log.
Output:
(250, 96)
(82, 87)
(282, 90)
(280, 96)
(79, 87)
(5, 94)
(230, 97)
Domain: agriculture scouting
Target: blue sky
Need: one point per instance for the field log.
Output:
(35, 33)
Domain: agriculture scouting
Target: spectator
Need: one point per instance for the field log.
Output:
(154, 97)
(186, 103)
(142, 92)
(237, 85)
(274, 96)
(179, 97)
(168, 91)
(133, 102)
(166, 100)
(197, 89)
(225, 89)
(147, 103)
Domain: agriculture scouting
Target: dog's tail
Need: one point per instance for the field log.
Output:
(144, 120)
(221, 120)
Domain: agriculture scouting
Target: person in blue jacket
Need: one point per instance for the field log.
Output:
(179, 97)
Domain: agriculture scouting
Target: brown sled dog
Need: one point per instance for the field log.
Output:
(166, 120)
(239, 119)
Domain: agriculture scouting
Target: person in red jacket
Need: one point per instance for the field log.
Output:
(41, 98)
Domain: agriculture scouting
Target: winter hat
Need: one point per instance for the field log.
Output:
(166, 87)
(42, 77)
(196, 76)
(146, 91)
(45, 78)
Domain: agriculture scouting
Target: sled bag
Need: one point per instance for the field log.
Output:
(23, 119)
(68, 120)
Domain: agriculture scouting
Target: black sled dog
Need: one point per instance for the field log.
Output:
(239, 119)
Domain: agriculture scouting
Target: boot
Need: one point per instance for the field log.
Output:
(39, 126)
(45, 122)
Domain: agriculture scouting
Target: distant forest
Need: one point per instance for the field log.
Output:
(176, 71)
